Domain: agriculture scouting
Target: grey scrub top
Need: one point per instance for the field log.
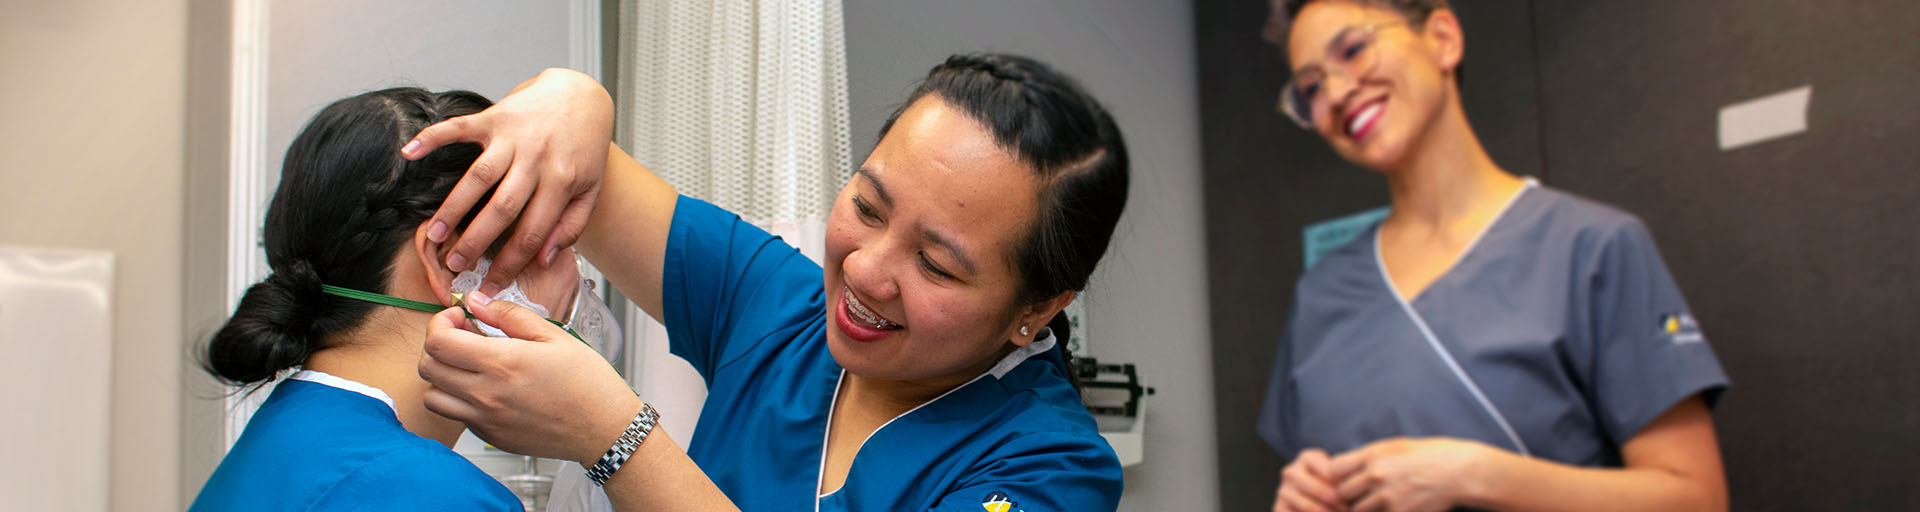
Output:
(1559, 334)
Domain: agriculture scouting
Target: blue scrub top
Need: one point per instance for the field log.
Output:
(316, 447)
(747, 310)
(1559, 334)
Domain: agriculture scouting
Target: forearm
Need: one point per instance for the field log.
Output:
(660, 476)
(1508, 481)
(626, 236)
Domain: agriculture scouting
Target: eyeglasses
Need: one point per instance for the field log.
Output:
(1349, 55)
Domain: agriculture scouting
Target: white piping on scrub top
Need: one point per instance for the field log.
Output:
(1433, 341)
(344, 384)
(999, 370)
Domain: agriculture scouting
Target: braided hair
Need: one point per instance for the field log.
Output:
(346, 204)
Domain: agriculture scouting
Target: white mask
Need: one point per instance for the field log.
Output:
(470, 280)
(591, 320)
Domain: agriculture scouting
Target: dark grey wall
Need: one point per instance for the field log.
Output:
(1797, 255)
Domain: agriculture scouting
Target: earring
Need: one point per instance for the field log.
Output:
(1023, 330)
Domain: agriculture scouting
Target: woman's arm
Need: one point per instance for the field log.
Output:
(626, 237)
(1672, 464)
(542, 393)
(661, 476)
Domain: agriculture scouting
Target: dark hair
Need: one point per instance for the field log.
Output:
(1051, 124)
(346, 204)
(1415, 11)
(1281, 21)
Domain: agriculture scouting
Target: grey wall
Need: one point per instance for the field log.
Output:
(326, 50)
(1796, 255)
(91, 158)
(1799, 256)
(1148, 301)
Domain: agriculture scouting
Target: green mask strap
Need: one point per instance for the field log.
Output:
(414, 304)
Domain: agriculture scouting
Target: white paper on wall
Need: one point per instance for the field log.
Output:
(56, 318)
(1765, 118)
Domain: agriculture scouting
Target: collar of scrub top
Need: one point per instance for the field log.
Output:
(458, 301)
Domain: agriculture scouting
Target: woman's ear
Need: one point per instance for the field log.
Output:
(1449, 43)
(431, 255)
(1036, 316)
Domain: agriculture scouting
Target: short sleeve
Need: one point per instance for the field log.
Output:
(1646, 351)
(727, 284)
(418, 479)
(1049, 472)
(1278, 415)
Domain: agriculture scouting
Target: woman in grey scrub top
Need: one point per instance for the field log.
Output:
(1493, 343)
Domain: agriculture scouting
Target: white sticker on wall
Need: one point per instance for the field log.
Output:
(1765, 118)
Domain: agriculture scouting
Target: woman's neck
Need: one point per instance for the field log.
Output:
(1447, 175)
(384, 352)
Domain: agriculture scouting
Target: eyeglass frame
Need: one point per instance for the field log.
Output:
(1285, 103)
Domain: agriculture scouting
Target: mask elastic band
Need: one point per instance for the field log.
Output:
(414, 304)
(382, 299)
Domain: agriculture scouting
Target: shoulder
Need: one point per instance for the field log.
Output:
(1032, 400)
(418, 474)
(1027, 440)
(1565, 211)
(1552, 229)
(1033, 395)
(706, 239)
(1043, 414)
(1047, 470)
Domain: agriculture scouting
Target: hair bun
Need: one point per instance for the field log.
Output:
(272, 329)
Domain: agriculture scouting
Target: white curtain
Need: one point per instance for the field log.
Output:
(742, 103)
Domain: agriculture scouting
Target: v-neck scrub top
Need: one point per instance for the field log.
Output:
(749, 312)
(1558, 334)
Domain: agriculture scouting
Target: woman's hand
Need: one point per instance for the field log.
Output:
(1402, 474)
(540, 393)
(546, 147)
(1306, 485)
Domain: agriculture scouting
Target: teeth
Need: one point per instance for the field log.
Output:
(863, 315)
(1361, 119)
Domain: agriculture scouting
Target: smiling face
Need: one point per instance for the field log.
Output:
(920, 279)
(1377, 83)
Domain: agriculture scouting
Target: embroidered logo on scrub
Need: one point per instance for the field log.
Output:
(1681, 328)
(997, 502)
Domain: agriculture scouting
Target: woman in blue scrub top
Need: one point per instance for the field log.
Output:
(911, 371)
(1493, 343)
(349, 429)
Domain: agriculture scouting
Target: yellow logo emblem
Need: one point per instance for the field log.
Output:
(997, 502)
